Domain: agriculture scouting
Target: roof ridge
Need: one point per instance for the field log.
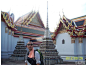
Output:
(78, 17)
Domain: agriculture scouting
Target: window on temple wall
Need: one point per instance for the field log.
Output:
(63, 41)
(72, 40)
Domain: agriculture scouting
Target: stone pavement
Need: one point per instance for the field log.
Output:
(11, 62)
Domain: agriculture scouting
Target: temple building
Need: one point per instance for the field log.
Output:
(32, 28)
(70, 38)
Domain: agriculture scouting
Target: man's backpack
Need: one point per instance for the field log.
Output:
(41, 56)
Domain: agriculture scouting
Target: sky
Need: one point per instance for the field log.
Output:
(70, 8)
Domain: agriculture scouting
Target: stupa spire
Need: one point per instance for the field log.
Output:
(47, 32)
(47, 15)
(21, 36)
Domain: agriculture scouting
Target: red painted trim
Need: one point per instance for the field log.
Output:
(79, 36)
(23, 36)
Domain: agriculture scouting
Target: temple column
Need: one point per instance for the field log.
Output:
(80, 49)
(2, 40)
(6, 40)
(12, 44)
(76, 47)
(4, 34)
(9, 43)
(84, 48)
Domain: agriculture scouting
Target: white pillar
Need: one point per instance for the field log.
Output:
(4, 52)
(80, 48)
(12, 44)
(2, 36)
(84, 48)
(6, 41)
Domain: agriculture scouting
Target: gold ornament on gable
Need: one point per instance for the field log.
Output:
(12, 33)
(80, 40)
(6, 29)
(72, 39)
(9, 31)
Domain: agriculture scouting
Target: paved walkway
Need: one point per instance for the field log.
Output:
(11, 62)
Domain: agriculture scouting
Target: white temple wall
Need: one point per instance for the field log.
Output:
(14, 42)
(4, 41)
(8, 42)
(84, 47)
(26, 41)
(76, 46)
(80, 48)
(66, 49)
(70, 49)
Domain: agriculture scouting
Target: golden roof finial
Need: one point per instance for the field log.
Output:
(63, 12)
(59, 15)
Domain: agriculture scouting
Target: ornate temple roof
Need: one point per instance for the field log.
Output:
(32, 27)
(32, 18)
(75, 27)
(8, 19)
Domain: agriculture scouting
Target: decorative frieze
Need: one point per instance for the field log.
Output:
(12, 33)
(9, 31)
(63, 31)
(72, 40)
(80, 40)
(6, 29)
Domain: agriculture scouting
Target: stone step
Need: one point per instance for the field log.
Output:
(48, 50)
(20, 47)
(47, 43)
(18, 55)
(17, 58)
(20, 44)
(52, 56)
(47, 47)
(19, 52)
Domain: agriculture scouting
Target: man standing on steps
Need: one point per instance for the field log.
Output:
(33, 56)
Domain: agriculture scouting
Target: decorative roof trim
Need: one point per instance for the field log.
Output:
(8, 20)
(72, 30)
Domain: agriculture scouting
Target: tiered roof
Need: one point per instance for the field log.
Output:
(32, 27)
(7, 18)
(75, 27)
(33, 18)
